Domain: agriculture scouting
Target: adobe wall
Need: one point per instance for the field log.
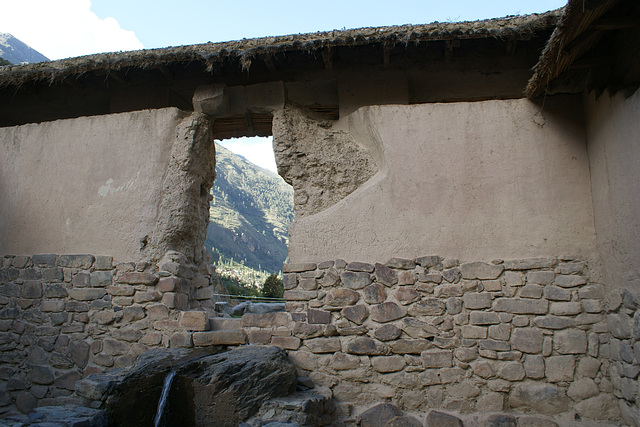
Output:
(98, 184)
(474, 181)
(613, 133)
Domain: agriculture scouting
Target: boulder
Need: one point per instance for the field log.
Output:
(220, 389)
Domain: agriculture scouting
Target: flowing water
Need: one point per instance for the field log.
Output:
(157, 422)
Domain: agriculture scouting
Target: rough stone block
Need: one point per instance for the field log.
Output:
(385, 364)
(298, 268)
(211, 99)
(480, 271)
(437, 358)
(323, 345)
(355, 280)
(266, 320)
(540, 277)
(206, 293)
(138, 278)
(534, 366)
(554, 322)
(555, 293)
(31, 289)
(583, 388)
(342, 297)
(308, 284)
(387, 312)
(406, 295)
(52, 275)
(44, 260)
(76, 261)
(297, 295)
(287, 343)
(410, 346)
(172, 284)
(473, 332)
(401, 264)
(476, 301)
(387, 332)
(86, 294)
(500, 332)
(225, 337)
(100, 279)
(446, 290)
(531, 291)
(527, 340)
(195, 320)
(149, 296)
(181, 340)
(365, 346)
(483, 318)
(559, 368)
(569, 281)
(103, 262)
(441, 419)
(427, 307)
(521, 306)
(570, 341)
(565, 308)
(173, 300)
(530, 263)
(357, 314)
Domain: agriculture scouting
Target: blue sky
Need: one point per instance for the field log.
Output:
(164, 22)
(63, 28)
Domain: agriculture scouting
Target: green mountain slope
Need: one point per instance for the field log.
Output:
(250, 214)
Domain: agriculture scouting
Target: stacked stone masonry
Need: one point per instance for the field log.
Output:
(63, 317)
(525, 336)
(528, 336)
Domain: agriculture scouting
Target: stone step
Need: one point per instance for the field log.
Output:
(224, 323)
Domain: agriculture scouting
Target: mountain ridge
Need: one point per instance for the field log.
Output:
(18, 52)
(250, 214)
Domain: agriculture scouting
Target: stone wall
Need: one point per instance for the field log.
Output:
(527, 335)
(63, 317)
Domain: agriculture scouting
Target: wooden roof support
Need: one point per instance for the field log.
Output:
(327, 57)
(166, 73)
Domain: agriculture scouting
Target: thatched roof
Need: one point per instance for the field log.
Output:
(209, 54)
(581, 27)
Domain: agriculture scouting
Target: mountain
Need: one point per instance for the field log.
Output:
(250, 214)
(16, 52)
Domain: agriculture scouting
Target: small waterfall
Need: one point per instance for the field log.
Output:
(162, 403)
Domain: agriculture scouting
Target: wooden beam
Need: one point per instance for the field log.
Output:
(327, 57)
(616, 23)
(249, 121)
(166, 73)
(268, 61)
(386, 53)
(117, 76)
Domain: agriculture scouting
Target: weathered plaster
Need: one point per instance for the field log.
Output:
(322, 164)
(470, 180)
(85, 185)
(184, 210)
(614, 152)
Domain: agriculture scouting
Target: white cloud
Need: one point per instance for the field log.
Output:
(257, 150)
(64, 28)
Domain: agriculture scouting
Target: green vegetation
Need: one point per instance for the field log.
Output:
(273, 287)
(4, 62)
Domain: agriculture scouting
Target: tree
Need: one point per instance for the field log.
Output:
(273, 287)
(4, 62)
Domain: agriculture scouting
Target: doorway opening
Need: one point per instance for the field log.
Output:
(249, 217)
